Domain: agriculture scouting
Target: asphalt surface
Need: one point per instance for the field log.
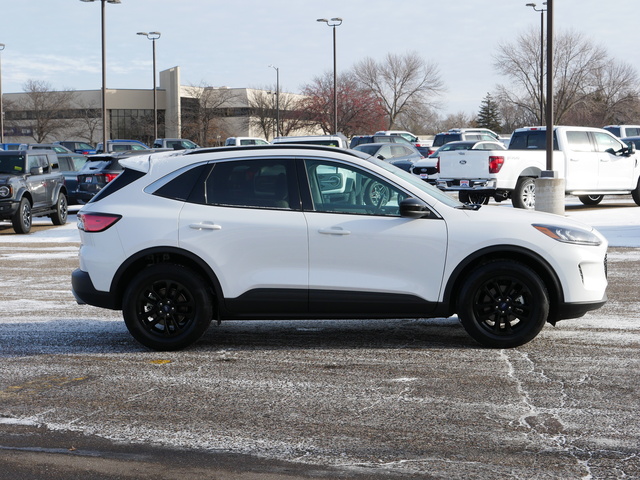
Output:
(79, 398)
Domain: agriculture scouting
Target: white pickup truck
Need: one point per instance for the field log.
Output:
(592, 161)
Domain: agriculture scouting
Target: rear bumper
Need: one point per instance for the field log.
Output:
(86, 294)
(457, 184)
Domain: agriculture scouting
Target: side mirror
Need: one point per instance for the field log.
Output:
(36, 171)
(414, 208)
(631, 150)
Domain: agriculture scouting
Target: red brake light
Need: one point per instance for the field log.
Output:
(495, 163)
(110, 176)
(96, 222)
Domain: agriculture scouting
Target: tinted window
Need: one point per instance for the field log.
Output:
(263, 183)
(440, 140)
(122, 180)
(614, 130)
(182, 186)
(531, 140)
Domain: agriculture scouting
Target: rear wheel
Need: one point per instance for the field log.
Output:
(59, 217)
(524, 195)
(167, 307)
(21, 220)
(503, 304)
(590, 199)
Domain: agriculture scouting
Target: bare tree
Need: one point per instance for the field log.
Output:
(400, 82)
(584, 77)
(88, 122)
(263, 108)
(202, 113)
(45, 111)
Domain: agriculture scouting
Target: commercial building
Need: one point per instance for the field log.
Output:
(207, 115)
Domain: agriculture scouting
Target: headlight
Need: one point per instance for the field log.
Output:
(5, 191)
(568, 234)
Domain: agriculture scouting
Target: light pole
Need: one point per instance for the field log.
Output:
(277, 99)
(334, 22)
(104, 73)
(2, 45)
(153, 36)
(541, 10)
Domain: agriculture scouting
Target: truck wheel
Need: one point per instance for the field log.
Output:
(636, 193)
(473, 197)
(21, 220)
(503, 304)
(59, 217)
(590, 199)
(167, 307)
(524, 195)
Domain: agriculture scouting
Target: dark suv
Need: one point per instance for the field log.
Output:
(97, 172)
(461, 134)
(31, 185)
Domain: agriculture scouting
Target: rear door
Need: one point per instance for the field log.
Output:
(244, 217)
(581, 161)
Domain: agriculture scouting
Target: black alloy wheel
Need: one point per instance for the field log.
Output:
(503, 304)
(167, 307)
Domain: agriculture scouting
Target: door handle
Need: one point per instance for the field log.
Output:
(205, 226)
(334, 231)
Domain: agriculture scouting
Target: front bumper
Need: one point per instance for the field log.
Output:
(8, 208)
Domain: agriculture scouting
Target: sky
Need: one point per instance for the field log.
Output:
(233, 44)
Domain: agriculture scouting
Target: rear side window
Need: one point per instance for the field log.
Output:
(125, 178)
(181, 187)
(440, 140)
(579, 141)
(263, 183)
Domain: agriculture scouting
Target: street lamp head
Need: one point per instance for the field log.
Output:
(150, 35)
(142, 33)
(108, 1)
(530, 5)
(323, 20)
(2, 45)
(336, 19)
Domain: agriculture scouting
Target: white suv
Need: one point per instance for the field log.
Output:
(294, 231)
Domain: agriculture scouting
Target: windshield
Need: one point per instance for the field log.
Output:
(417, 182)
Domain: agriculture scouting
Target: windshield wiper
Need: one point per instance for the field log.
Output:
(469, 206)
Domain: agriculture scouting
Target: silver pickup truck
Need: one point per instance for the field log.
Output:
(31, 185)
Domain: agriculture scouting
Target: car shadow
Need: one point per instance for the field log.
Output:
(94, 336)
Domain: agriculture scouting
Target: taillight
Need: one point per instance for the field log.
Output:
(110, 176)
(96, 222)
(495, 163)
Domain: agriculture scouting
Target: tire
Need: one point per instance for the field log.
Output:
(635, 194)
(590, 199)
(376, 194)
(473, 197)
(503, 304)
(21, 220)
(59, 217)
(167, 307)
(524, 195)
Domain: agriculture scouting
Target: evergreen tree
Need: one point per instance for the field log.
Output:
(489, 115)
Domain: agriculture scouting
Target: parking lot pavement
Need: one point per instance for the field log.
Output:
(329, 399)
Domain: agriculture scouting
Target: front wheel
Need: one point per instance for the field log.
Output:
(59, 217)
(473, 197)
(590, 199)
(524, 195)
(21, 220)
(167, 307)
(635, 194)
(503, 304)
